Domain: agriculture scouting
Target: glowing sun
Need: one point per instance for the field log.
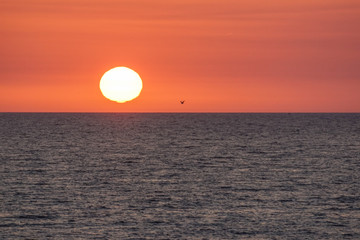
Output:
(120, 84)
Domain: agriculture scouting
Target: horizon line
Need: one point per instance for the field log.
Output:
(188, 112)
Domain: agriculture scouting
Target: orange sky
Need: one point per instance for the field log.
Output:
(220, 56)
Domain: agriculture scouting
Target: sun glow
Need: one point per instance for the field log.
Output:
(121, 84)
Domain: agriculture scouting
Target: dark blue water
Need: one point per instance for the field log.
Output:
(179, 176)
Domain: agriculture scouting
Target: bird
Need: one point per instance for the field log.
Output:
(182, 102)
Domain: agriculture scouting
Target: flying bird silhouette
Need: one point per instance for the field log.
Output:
(182, 102)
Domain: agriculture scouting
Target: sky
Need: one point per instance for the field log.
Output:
(218, 56)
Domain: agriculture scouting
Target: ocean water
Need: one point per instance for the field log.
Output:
(179, 176)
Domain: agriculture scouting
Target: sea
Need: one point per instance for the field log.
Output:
(179, 176)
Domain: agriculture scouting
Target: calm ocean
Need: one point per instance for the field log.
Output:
(179, 176)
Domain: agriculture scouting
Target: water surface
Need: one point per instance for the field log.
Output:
(179, 176)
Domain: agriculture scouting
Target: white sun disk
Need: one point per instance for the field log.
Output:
(121, 84)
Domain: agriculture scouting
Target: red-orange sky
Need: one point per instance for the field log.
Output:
(220, 56)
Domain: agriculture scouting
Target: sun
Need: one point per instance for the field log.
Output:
(121, 84)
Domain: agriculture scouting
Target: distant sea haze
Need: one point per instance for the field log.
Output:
(179, 176)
